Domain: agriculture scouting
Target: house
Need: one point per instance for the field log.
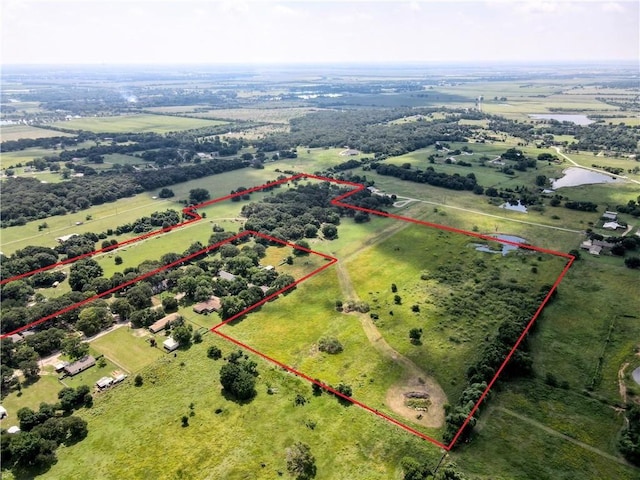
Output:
(3, 412)
(15, 338)
(595, 250)
(104, 382)
(64, 238)
(163, 322)
(209, 306)
(226, 275)
(612, 225)
(170, 344)
(80, 365)
(610, 215)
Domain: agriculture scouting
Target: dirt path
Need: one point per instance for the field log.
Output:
(414, 379)
(557, 434)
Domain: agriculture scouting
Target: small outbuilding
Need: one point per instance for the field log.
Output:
(3, 412)
(226, 275)
(170, 344)
(104, 382)
(60, 366)
(13, 429)
(610, 215)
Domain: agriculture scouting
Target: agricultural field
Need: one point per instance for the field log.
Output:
(15, 132)
(136, 124)
(270, 115)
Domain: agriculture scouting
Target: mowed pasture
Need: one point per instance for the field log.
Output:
(126, 420)
(136, 124)
(16, 132)
(129, 348)
(268, 115)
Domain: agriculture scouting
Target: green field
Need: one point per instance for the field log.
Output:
(136, 124)
(16, 132)
(126, 420)
(128, 348)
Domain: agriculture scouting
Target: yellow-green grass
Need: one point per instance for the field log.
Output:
(126, 420)
(17, 132)
(509, 448)
(128, 348)
(573, 330)
(136, 124)
(123, 159)
(449, 343)
(45, 389)
(177, 109)
(10, 159)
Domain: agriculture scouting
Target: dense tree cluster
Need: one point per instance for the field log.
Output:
(238, 376)
(453, 181)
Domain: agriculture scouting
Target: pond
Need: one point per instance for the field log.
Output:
(575, 176)
(506, 248)
(562, 117)
(516, 207)
(636, 375)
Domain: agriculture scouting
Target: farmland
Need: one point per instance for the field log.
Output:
(562, 419)
(136, 124)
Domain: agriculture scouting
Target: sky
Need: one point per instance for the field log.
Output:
(302, 31)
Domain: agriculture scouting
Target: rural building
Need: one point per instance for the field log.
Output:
(13, 429)
(226, 275)
(15, 338)
(119, 378)
(170, 344)
(610, 215)
(104, 382)
(60, 366)
(3, 412)
(64, 238)
(80, 365)
(612, 225)
(163, 322)
(211, 305)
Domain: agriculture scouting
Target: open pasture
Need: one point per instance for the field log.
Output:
(16, 132)
(137, 124)
(128, 348)
(268, 115)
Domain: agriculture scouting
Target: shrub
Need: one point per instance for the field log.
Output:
(330, 345)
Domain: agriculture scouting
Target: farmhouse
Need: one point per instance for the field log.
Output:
(612, 225)
(64, 238)
(80, 365)
(226, 275)
(163, 322)
(170, 344)
(209, 306)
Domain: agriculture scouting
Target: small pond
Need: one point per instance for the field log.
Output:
(575, 176)
(562, 117)
(636, 375)
(506, 248)
(517, 207)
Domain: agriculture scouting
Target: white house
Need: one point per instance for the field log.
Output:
(170, 344)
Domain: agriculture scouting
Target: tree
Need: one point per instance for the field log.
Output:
(414, 470)
(198, 195)
(166, 193)
(182, 334)
(330, 231)
(236, 379)
(139, 297)
(120, 306)
(93, 319)
(214, 352)
(415, 334)
(117, 260)
(632, 262)
(138, 381)
(74, 347)
(82, 272)
(301, 464)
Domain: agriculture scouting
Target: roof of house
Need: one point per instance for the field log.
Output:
(170, 343)
(595, 250)
(610, 215)
(80, 365)
(226, 275)
(104, 382)
(612, 225)
(162, 323)
(64, 238)
(211, 305)
(15, 338)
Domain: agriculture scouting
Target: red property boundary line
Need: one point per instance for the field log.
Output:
(338, 201)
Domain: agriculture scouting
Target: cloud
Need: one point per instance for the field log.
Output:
(614, 7)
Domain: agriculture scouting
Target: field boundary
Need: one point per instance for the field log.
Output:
(192, 216)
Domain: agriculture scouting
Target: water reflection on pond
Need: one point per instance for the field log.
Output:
(506, 248)
(574, 176)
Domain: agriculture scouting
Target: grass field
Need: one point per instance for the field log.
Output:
(269, 115)
(16, 132)
(128, 349)
(136, 124)
(45, 389)
(126, 420)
